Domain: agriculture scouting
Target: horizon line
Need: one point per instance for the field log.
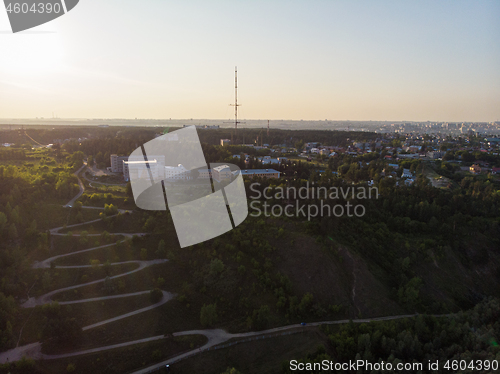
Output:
(229, 123)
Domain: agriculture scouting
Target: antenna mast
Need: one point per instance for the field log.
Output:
(236, 105)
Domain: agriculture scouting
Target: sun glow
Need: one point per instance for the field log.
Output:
(31, 53)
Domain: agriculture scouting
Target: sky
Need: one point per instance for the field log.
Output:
(311, 60)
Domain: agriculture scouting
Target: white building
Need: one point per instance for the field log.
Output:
(178, 172)
(221, 173)
(204, 173)
(139, 170)
(117, 162)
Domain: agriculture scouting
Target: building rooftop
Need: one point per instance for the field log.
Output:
(140, 162)
(221, 168)
(258, 171)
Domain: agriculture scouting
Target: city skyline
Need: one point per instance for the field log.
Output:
(329, 60)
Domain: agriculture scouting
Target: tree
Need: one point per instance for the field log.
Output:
(260, 317)
(161, 252)
(77, 159)
(84, 238)
(299, 144)
(216, 266)
(110, 209)
(208, 314)
(25, 365)
(160, 282)
(60, 326)
(306, 302)
(409, 293)
(144, 254)
(149, 225)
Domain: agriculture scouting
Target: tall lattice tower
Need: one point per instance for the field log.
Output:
(236, 105)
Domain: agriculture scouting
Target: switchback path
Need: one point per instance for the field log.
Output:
(215, 336)
(45, 299)
(55, 230)
(34, 350)
(219, 336)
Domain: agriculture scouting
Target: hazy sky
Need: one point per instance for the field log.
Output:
(357, 60)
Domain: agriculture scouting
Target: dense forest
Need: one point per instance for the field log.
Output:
(468, 342)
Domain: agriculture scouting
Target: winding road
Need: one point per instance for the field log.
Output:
(215, 336)
(80, 184)
(34, 350)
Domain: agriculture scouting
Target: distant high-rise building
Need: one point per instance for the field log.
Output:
(117, 163)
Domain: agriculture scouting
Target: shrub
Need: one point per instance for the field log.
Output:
(208, 314)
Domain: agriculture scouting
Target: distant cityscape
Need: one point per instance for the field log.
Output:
(401, 127)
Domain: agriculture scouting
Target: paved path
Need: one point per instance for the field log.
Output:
(33, 350)
(46, 263)
(167, 296)
(44, 299)
(127, 234)
(100, 349)
(219, 336)
(80, 184)
(101, 208)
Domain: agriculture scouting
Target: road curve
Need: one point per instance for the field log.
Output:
(44, 299)
(80, 184)
(219, 336)
(167, 296)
